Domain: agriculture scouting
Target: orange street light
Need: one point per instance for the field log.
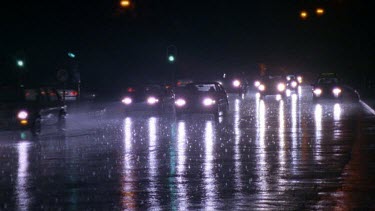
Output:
(319, 11)
(125, 3)
(303, 14)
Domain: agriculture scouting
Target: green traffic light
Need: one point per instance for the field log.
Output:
(171, 58)
(20, 63)
(71, 55)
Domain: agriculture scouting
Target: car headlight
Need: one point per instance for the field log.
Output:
(317, 92)
(127, 100)
(261, 87)
(236, 83)
(336, 91)
(256, 83)
(299, 79)
(22, 115)
(294, 84)
(152, 100)
(180, 102)
(281, 87)
(208, 102)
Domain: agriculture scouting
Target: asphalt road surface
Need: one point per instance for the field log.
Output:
(265, 155)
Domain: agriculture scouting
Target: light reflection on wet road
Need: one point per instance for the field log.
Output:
(266, 154)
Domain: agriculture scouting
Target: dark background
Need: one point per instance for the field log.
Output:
(116, 46)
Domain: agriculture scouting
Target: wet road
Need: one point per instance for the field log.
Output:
(265, 155)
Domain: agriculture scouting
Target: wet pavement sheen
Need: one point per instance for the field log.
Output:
(265, 155)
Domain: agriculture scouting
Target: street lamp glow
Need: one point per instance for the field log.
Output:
(319, 11)
(303, 14)
(125, 3)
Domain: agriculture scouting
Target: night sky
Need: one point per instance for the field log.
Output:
(115, 46)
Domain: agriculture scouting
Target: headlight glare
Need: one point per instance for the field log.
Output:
(317, 92)
(336, 91)
(180, 102)
(261, 87)
(208, 102)
(127, 100)
(281, 87)
(236, 83)
(22, 115)
(152, 100)
(299, 79)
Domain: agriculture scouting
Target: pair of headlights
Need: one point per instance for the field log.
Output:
(150, 100)
(280, 87)
(335, 91)
(180, 102)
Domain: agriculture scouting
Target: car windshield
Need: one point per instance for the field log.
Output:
(328, 81)
(201, 87)
(152, 88)
(273, 78)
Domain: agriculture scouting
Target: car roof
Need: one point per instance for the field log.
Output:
(197, 83)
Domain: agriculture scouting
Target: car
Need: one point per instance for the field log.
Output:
(202, 97)
(327, 86)
(30, 108)
(292, 83)
(154, 97)
(272, 85)
(234, 83)
(183, 82)
(68, 94)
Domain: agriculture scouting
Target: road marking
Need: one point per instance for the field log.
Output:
(371, 110)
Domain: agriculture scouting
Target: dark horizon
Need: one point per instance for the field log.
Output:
(214, 36)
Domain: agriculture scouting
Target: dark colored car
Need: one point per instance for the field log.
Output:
(30, 108)
(148, 97)
(292, 83)
(234, 83)
(327, 86)
(272, 85)
(206, 97)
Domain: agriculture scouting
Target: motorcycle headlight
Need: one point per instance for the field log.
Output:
(336, 91)
(127, 100)
(22, 115)
(317, 92)
(236, 83)
(256, 83)
(180, 102)
(208, 102)
(152, 100)
(261, 87)
(281, 87)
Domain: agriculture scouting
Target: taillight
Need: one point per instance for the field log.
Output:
(131, 89)
(74, 93)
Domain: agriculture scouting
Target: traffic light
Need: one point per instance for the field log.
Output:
(171, 58)
(20, 63)
(171, 54)
(71, 55)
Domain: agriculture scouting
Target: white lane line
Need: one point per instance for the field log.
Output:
(371, 110)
